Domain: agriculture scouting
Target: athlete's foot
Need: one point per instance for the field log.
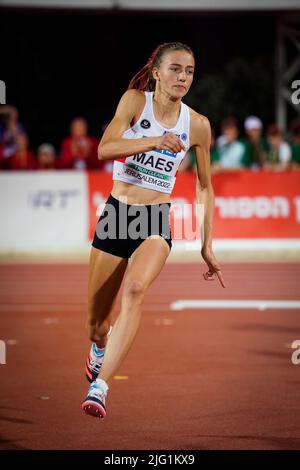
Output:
(94, 404)
(94, 361)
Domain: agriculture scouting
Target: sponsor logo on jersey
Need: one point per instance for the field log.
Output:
(165, 152)
(147, 171)
(145, 124)
(183, 136)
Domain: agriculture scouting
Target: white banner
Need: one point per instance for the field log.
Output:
(43, 211)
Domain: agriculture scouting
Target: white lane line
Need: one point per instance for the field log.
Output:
(235, 244)
(241, 304)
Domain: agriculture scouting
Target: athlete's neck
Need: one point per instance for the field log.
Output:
(167, 108)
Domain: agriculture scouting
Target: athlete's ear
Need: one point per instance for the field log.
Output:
(155, 73)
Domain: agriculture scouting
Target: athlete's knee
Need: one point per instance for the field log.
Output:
(97, 330)
(134, 288)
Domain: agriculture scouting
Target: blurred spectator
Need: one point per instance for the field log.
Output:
(293, 124)
(23, 158)
(279, 155)
(232, 152)
(256, 145)
(79, 150)
(296, 148)
(9, 128)
(46, 157)
(107, 165)
(214, 153)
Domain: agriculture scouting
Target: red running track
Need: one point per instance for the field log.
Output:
(196, 379)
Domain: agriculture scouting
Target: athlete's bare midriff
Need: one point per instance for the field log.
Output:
(136, 195)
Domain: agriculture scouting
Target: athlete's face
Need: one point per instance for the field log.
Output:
(175, 73)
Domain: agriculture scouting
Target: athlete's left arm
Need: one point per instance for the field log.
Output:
(201, 139)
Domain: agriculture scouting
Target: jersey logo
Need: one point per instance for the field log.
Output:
(183, 136)
(165, 152)
(145, 124)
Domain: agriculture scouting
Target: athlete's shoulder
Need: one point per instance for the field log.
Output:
(198, 120)
(131, 102)
(133, 94)
(200, 127)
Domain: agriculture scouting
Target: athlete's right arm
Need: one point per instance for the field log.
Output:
(113, 146)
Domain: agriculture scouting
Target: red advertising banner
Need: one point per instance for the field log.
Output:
(247, 205)
(257, 205)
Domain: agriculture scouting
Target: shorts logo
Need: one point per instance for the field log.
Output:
(183, 136)
(145, 124)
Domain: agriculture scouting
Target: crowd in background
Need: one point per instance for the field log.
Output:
(78, 151)
(235, 149)
(253, 149)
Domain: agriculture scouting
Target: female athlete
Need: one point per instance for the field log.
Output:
(148, 137)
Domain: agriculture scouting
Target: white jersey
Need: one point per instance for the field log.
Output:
(155, 169)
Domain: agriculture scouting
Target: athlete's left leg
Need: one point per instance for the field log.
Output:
(145, 265)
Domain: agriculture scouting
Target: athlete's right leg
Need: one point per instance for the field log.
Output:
(106, 272)
(147, 262)
(105, 277)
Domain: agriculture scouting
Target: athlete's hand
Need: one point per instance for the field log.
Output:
(169, 142)
(213, 266)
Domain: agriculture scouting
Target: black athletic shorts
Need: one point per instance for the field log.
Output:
(122, 227)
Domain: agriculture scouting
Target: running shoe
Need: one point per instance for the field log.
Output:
(94, 404)
(94, 361)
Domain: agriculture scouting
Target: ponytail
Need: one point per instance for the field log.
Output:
(143, 80)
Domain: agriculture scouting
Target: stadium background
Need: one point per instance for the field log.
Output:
(51, 58)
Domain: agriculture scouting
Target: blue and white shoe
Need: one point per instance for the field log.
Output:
(94, 361)
(94, 404)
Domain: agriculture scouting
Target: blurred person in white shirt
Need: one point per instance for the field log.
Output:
(231, 150)
(255, 142)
